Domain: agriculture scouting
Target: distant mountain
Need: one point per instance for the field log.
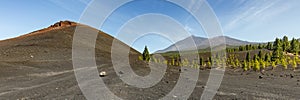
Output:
(202, 43)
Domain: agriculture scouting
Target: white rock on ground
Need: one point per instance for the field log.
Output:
(102, 74)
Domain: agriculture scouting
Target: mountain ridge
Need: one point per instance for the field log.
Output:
(203, 43)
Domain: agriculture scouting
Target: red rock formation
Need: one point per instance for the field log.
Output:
(63, 24)
(58, 25)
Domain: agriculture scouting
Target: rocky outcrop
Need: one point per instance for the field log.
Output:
(63, 24)
(58, 25)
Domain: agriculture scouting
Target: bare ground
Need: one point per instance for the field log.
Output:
(31, 82)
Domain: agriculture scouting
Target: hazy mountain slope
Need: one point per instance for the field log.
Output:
(203, 43)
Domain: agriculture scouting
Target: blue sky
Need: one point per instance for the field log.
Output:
(250, 20)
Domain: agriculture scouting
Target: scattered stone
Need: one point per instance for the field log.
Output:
(167, 82)
(281, 75)
(292, 76)
(298, 80)
(102, 74)
(23, 98)
(286, 75)
(174, 96)
(120, 72)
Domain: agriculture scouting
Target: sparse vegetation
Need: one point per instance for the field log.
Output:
(256, 56)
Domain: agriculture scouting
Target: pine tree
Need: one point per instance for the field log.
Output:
(209, 64)
(263, 63)
(294, 63)
(267, 57)
(232, 64)
(165, 61)
(260, 46)
(285, 44)
(256, 57)
(284, 63)
(296, 57)
(250, 64)
(294, 46)
(146, 55)
(248, 58)
(256, 65)
(273, 65)
(245, 67)
(210, 60)
(201, 61)
(248, 47)
(254, 47)
(277, 52)
(267, 64)
(237, 63)
(277, 62)
(260, 55)
(242, 48)
(173, 62)
(270, 46)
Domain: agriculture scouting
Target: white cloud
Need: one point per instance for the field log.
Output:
(254, 10)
